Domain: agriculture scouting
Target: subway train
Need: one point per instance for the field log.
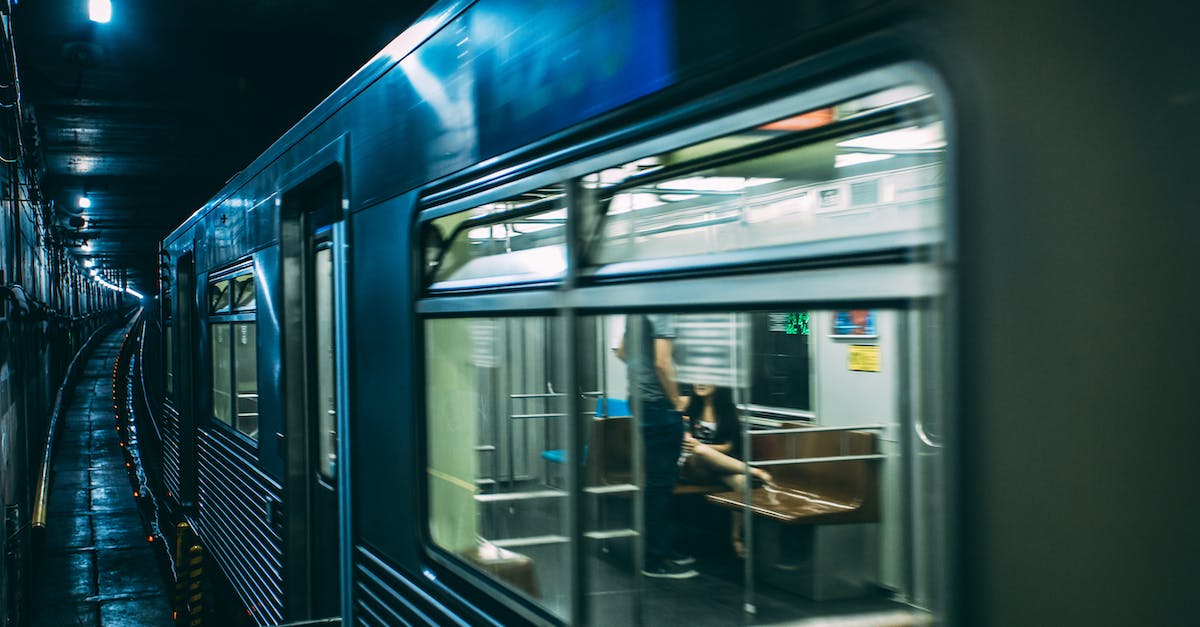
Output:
(417, 359)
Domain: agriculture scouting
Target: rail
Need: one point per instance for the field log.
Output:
(43, 487)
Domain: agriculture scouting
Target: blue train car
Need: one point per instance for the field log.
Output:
(627, 312)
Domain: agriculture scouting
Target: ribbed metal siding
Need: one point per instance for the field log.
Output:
(384, 597)
(169, 429)
(234, 523)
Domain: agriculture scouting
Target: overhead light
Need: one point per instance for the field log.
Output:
(100, 11)
(84, 202)
(855, 158)
(86, 246)
(930, 137)
(715, 183)
(87, 263)
(93, 271)
(134, 293)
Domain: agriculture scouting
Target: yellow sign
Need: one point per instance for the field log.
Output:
(864, 358)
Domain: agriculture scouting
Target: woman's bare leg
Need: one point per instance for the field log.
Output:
(723, 464)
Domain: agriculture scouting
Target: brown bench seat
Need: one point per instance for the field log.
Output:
(821, 492)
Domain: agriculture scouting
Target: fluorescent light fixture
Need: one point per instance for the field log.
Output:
(100, 11)
(84, 202)
(855, 158)
(134, 293)
(715, 183)
(931, 137)
(87, 263)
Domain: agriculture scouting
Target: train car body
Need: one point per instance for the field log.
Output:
(868, 219)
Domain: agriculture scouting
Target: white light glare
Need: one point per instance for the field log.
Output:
(100, 11)
(931, 137)
(87, 263)
(855, 158)
(134, 293)
(715, 183)
(84, 202)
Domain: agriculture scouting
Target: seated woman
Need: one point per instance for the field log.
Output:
(712, 446)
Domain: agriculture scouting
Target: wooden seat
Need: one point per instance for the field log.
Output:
(510, 567)
(835, 491)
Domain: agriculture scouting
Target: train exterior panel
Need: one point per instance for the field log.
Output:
(377, 319)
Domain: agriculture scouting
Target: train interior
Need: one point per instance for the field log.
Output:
(836, 402)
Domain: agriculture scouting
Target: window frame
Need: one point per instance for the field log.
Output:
(230, 317)
(735, 280)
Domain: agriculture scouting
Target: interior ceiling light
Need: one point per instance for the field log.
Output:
(715, 183)
(100, 11)
(931, 137)
(87, 263)
(84, 202)
(855, 158)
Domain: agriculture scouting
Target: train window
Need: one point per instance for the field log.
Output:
(779, 346)
(169, 360)
(245, 368)
(218, 297)
(806, 477)
(519, 240)
(326, 363)
(221, 397)
(863, 174)
(495, 421)
(232, 339)
(243, 293)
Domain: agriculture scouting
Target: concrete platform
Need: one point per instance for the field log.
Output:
(97, 567)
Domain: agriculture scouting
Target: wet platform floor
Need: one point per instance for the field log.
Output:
(96, 567)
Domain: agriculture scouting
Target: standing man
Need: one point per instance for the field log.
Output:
(654, 397)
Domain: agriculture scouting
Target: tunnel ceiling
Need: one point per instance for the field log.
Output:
(149, 114)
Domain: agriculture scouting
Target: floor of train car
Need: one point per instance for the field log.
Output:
(715, 597)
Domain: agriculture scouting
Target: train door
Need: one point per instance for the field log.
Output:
(309, 223)
(185, 382)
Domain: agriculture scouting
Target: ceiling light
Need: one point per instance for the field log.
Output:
(100, 11)
(87, 263)
(84, 202)
(715, 183)
(931, 137)
(855, 158)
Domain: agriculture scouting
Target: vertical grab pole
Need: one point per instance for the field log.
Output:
(570, 339)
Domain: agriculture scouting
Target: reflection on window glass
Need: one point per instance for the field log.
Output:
(480, 247)
(221, 389)
(234, 353)
(716, 400)
(246, 378)
(325, 355)
(770, 185)
(243, 292)
(494, 411)
(169, 360)
(218, 296)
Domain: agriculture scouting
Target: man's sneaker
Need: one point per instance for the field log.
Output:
(683, 559)
(669, 570)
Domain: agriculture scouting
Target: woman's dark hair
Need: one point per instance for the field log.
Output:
(723, 407)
